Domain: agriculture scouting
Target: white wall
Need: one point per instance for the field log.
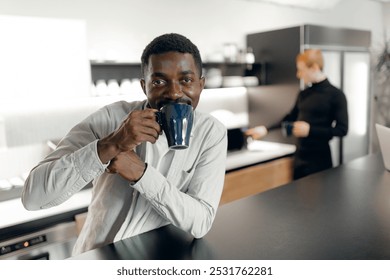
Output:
(119, 29)
(41, 56)
(386, 19)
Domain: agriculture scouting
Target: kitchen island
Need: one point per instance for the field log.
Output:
(258, 154)
(341, 213)
(20, 225)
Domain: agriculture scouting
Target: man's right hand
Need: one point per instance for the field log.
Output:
(139, 126)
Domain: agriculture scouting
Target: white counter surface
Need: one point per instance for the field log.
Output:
(17, 214)
(256, 152)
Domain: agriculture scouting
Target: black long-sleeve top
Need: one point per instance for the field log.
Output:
(324, 107)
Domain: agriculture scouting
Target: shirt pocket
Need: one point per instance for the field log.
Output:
(181, 179)
(186, 179)
(182, 170)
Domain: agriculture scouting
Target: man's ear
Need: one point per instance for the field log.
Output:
(202, 82)
(143, 85)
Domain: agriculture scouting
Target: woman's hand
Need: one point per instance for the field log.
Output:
(257, 132)
(301, 129)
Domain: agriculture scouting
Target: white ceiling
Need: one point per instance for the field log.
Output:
(310, 4)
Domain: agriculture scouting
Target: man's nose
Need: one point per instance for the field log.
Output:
(175, 91)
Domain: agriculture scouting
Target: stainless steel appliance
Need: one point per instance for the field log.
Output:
(54, 243)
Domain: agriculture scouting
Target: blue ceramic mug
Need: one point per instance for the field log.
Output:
(287, 128)
(176, 121)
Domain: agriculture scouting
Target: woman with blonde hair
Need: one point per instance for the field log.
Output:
(320, 113)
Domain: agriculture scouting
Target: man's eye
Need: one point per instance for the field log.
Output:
(187, 80)
(158, 82)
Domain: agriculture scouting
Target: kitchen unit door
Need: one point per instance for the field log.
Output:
(349, 71)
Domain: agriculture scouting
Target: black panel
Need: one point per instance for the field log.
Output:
(118, 71)
(276, 51)
(236, 139)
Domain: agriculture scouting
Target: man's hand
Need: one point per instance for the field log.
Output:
(301, 129)
(128, 165)
(140, 126)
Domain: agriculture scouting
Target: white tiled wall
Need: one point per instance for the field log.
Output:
(25, 130)
(228, 105)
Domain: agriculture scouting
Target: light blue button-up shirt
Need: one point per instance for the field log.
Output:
(180, 187)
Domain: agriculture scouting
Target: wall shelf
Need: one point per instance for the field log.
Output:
(123, 70)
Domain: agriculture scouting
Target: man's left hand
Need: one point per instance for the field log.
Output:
(128, 165)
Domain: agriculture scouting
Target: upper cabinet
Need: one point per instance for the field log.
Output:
(276, 49)
(115, 70)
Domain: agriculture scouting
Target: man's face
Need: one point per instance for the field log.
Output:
(172, 77)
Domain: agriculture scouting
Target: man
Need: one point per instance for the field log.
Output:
(320, 112)
(138, 183)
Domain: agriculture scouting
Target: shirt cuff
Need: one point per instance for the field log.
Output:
(150, 184)
(88, 163)
(135, 182)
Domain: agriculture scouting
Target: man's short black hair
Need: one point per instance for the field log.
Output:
(170, 42)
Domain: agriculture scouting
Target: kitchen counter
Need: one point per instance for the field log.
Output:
(257, 152)
(19, 219)
(19, 214)
(340, 213)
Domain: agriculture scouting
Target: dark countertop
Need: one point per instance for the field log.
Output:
(342, 213)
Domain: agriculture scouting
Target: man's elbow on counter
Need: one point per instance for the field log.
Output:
(29, 201)
(29, 204)
(202, 230)
(201, 235)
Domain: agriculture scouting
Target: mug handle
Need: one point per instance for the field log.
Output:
(158, 120)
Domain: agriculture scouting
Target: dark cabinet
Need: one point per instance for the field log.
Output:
(114, 70)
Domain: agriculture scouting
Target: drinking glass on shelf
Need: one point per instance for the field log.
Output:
(125, 87)
(113, 87)
(101, 88)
